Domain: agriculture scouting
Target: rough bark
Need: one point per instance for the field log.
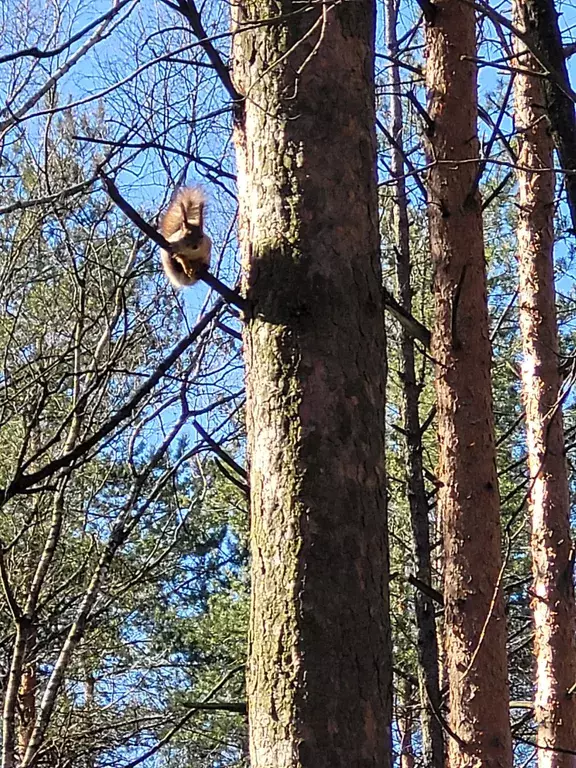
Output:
(552, 589)
(27, 707)
(468, 499)
(406, 726)
(9, 729)
(540, 20)
(430, 698)
(319, 675)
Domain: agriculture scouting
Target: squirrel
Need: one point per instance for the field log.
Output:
(183, 225)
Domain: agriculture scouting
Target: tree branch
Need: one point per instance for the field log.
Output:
(36, 53)
(183, 720)
(219, 706)
(414, 327)
(219, 451)
(23, 482)
(229, 295)
(188, 9)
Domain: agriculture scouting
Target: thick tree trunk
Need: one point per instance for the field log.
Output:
(553, 593)
(319, 679)
(468, 496)
(432, 734)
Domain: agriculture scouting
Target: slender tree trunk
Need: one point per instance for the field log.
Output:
(540, 21)
(27, 707)
(468, 497)
(319, 678)
(406, 726)
(432, 735)
(10, 707)
(553, 593)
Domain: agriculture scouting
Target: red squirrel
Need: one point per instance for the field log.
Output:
(183, 225)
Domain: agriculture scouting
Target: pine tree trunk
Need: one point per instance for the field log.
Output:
(430, 698)
(552, 589)
(319, 678)
(406, 725)
(540, 20)
(468, 499)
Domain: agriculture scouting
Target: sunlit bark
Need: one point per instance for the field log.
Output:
(468, 498)
(552, 589)
(319, 669)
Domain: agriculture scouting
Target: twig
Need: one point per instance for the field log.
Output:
(405, 158)
(500, 188)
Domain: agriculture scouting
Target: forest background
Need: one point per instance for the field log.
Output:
(124, 525)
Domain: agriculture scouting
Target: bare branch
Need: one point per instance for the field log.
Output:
(407, 321)
(219, 451)
(101, 33)
(188, 9)
(232, 297)
(183, 720)
(36, 53)
(22, 482)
